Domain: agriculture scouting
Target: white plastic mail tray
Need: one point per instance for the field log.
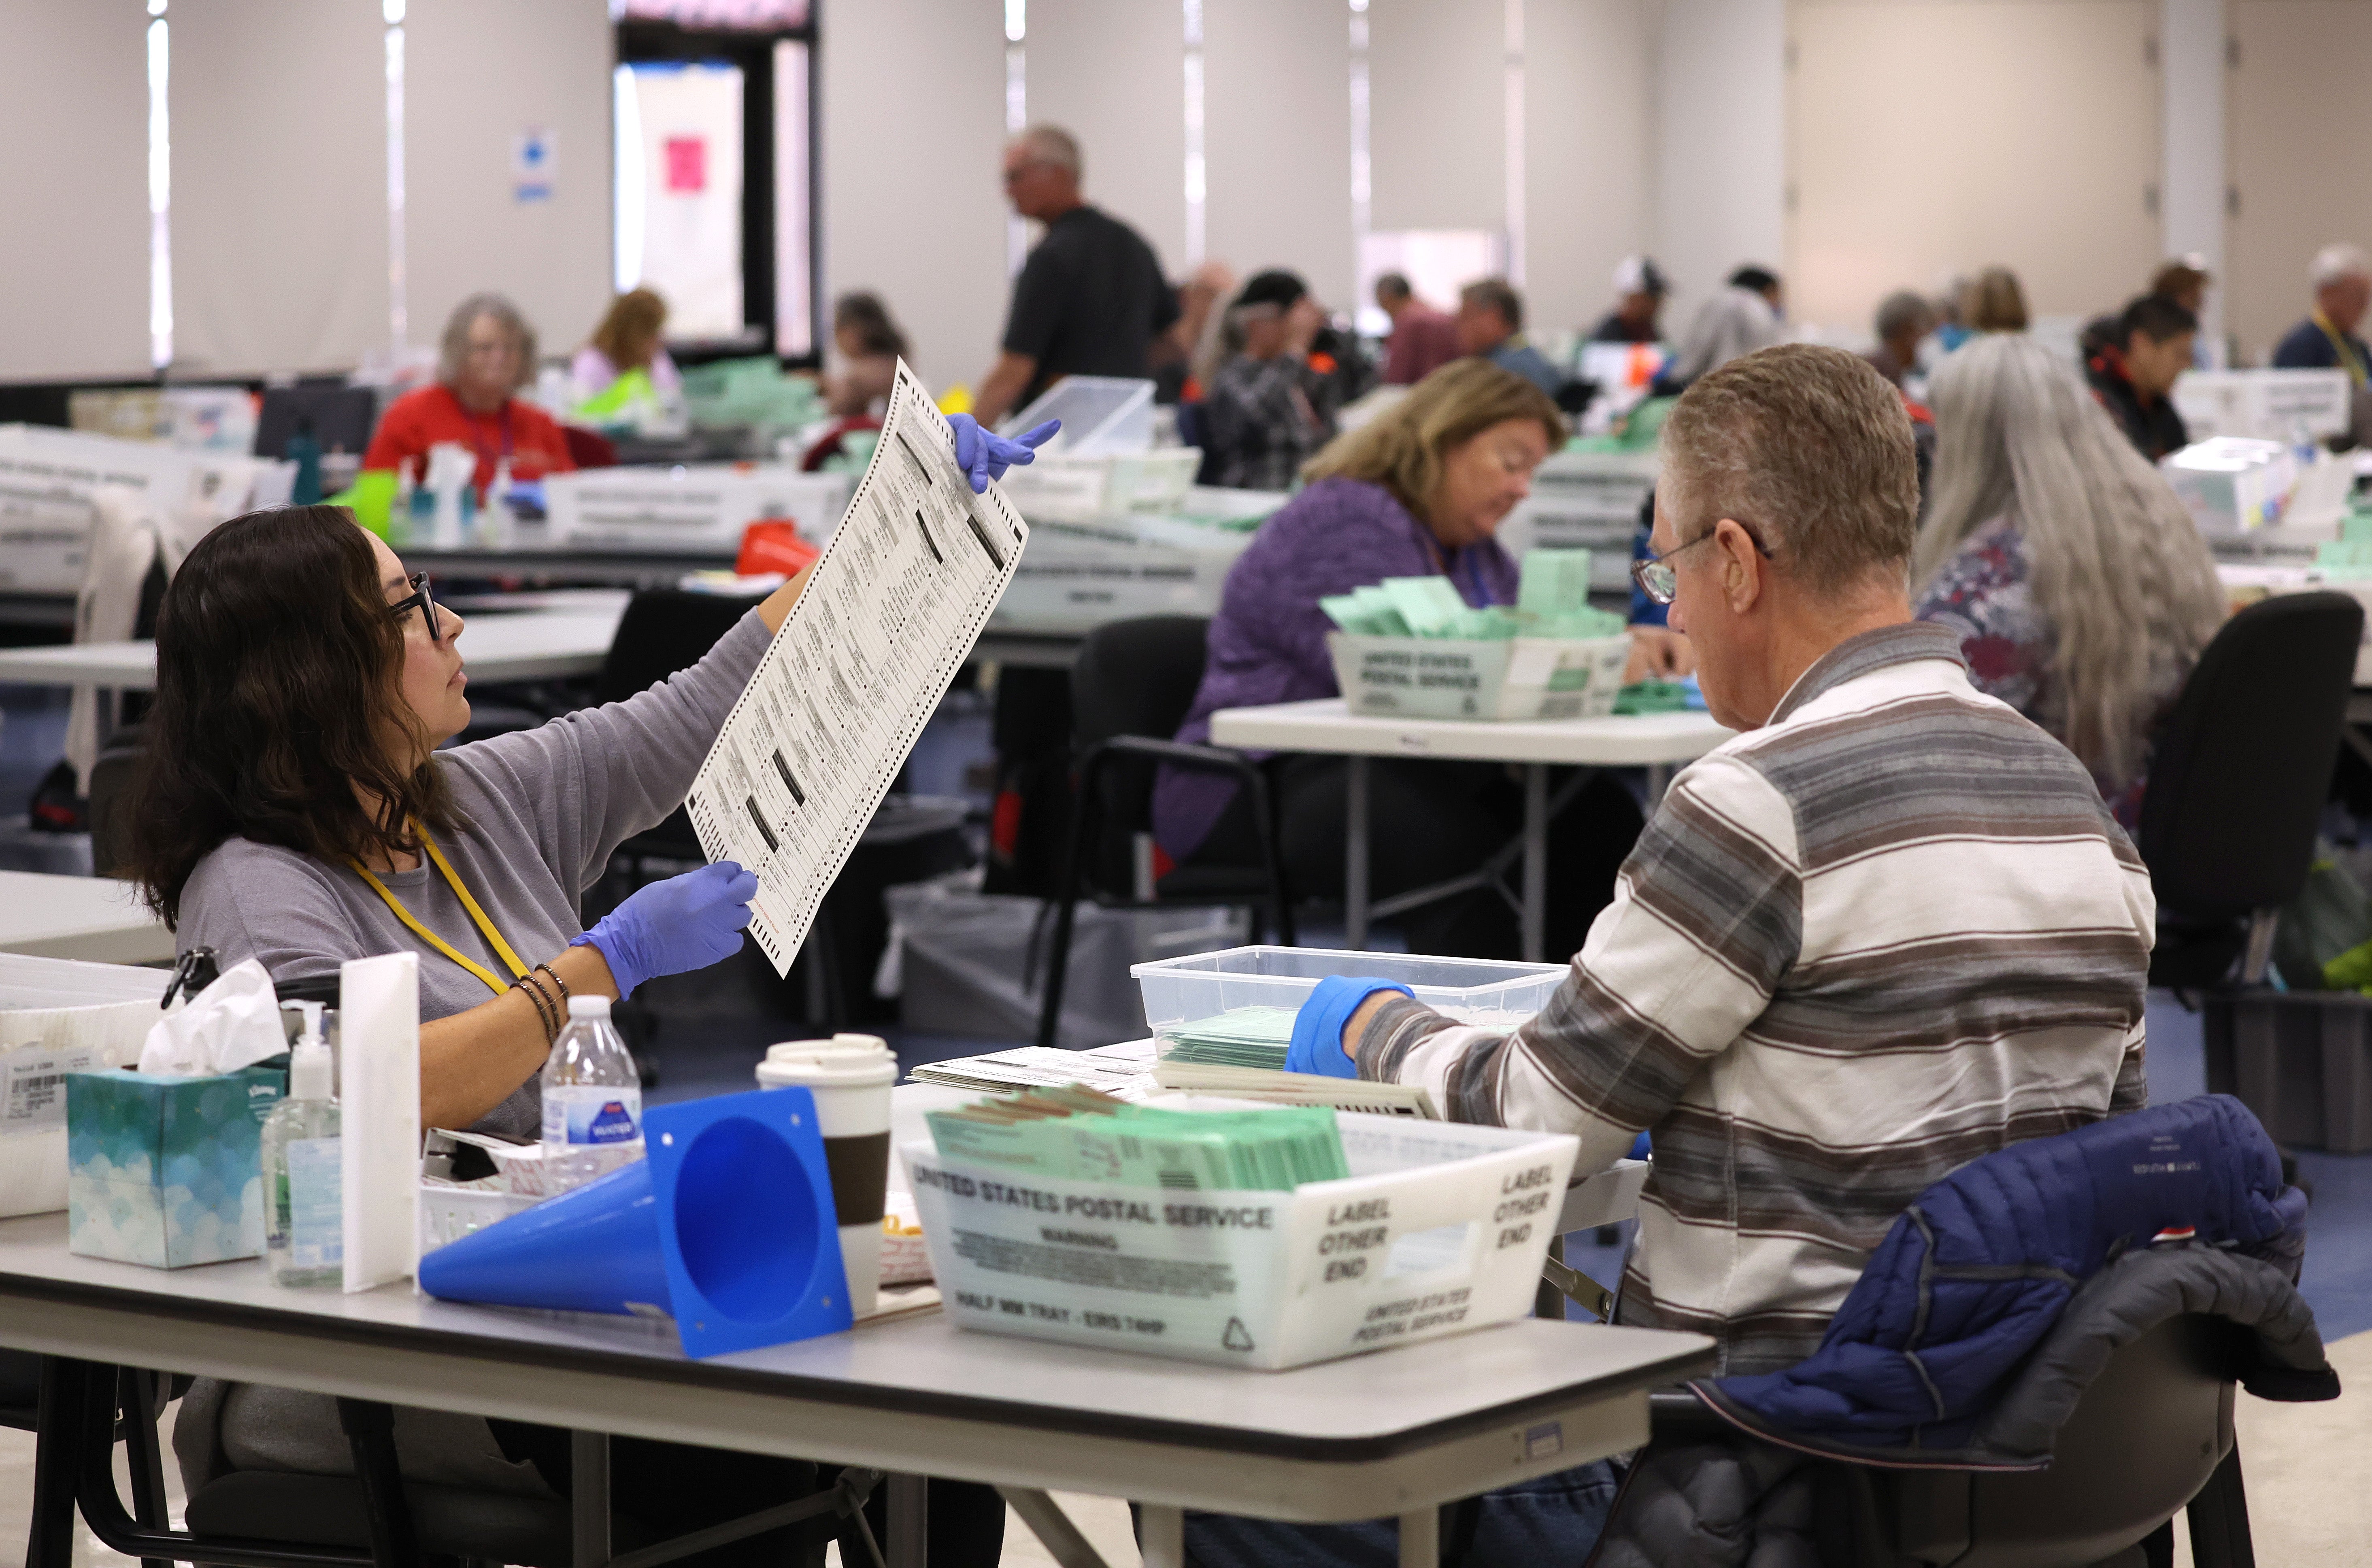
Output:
(1440, 1229)
(1457, 677)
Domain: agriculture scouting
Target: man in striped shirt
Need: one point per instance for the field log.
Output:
(1886, 929)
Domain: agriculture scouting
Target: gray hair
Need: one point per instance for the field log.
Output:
(454, 346)
(1812, 450)
(2333, 263)
(2120, 572)
(1901, 311)
(1051, 144)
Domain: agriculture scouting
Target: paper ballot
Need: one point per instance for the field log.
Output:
(893, 606)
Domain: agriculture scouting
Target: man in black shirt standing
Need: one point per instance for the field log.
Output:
(1091, 300)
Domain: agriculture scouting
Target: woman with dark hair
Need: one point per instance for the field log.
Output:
(294, 807)
(870, 344)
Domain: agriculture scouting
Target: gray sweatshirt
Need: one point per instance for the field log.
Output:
(544, 810)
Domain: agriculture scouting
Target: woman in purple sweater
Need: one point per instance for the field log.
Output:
(1422, 489)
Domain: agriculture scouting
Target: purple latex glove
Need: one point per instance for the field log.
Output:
(685, 922)
(985, 455)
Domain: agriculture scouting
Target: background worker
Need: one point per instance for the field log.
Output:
(486, 355)
(1491, 325)
(631, 337)
(1639, 291)
(2133, 376)
(1091, 300)
(1423, 339)
(1904, 319)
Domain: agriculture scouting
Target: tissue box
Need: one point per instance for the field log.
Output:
(165, 1170)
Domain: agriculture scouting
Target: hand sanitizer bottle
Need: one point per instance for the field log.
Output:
(304, 1226)
(592, 1099)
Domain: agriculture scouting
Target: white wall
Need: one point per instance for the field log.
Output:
(1720, 130)
(1113, 73)
(2192, 72)
(480, 73)
(2296, 121)
(1588, 159)
(74, 181)
(1437, 97)
(279, 128)
(1277, 112)
(913, 130)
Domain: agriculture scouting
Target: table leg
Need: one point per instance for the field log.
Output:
(1659, 774)
(1161, 1535)
(1420, 1539)
(1536, 861)
(910, 1521)
(56, 1455)
(589, 1498)
(1354, 856)
(1053, 1527)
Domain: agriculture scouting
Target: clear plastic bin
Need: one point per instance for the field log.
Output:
(1100, 415)
(1203, 985)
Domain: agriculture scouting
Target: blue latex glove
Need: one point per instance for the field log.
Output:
(985, 455)
(1641, 1147)
(685, 922)
(1318, 1028)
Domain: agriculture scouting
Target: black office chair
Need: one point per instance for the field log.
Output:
(2150, 1436)
(663, 631)
(1130, 690)
(2238, 781)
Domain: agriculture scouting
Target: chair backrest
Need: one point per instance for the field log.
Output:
(588, 448)
(2243, 763)
(2144, 1438)
(1137, 678)
(663, 631)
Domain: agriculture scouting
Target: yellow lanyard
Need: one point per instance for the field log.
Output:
(485, 928)
(2348, 359)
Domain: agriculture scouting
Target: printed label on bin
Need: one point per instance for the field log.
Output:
(33, 1085)
(588, 1113)
(1265, 1279)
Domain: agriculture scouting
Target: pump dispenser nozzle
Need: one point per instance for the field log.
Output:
(308, 1060)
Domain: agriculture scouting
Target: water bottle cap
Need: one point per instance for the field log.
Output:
(589, 1007)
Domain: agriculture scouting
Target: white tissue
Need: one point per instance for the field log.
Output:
(234, 1023)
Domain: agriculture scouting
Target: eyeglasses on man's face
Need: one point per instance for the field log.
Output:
(1660, 580)
(420, 598)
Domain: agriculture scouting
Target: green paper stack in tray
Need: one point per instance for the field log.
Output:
(1241, 1037)
(1077, 1134)
(1552, 601)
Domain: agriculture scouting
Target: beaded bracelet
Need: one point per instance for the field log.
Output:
(535, 994)
(547, 968)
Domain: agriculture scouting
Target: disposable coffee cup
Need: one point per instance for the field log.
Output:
(850, 1076)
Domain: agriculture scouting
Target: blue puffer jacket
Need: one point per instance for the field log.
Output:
(1975, 1273)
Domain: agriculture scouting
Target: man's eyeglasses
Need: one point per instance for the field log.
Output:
(1657, 577)
(421, 600)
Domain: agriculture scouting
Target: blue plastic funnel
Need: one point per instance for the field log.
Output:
(727, 1228)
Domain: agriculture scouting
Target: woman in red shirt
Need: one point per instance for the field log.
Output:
(487, 353)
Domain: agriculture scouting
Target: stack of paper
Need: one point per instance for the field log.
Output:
(1031, 1066)
(1297, 1088)
(1241, 1037)
(1074, 1134)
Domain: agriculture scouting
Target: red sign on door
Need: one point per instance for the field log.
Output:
(687, 164)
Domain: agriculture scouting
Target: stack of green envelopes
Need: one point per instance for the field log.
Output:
(1552, 601)
(1241, 1037)
(1076, 1134)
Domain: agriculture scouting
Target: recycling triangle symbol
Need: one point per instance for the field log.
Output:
(1236, 1337)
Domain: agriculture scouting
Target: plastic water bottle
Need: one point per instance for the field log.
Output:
(592, 1099)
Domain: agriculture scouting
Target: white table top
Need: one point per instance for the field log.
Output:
(531, 645)
(1325, 726)
(95, 919)
(1362, 1436)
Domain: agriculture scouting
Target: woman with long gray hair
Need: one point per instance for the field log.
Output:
(2079, 586)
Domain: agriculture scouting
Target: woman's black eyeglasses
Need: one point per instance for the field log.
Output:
(418, 598)
(1660, 581)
